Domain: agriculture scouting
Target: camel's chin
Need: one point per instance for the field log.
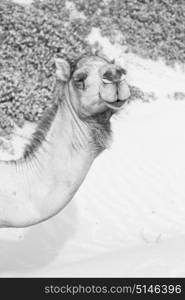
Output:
(114, 104)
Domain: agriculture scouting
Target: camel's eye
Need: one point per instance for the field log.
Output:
(79, 80)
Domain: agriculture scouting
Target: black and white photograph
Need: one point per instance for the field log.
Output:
(92, 138)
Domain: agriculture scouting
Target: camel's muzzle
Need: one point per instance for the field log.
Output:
(114, 93)
(114, 90)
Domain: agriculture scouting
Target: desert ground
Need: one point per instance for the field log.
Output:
(128, 217)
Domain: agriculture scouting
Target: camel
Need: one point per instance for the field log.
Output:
(65, 143)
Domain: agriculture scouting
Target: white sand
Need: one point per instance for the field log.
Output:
(128, 217)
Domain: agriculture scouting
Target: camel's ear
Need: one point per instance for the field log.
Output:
(62, 69)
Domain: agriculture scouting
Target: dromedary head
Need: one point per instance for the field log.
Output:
(95, 89)
(95, 85)
(65, 143)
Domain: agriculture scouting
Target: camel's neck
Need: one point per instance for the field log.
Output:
(39, 187)
(68, 137)
(62, 112)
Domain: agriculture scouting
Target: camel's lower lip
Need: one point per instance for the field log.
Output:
(115, 105)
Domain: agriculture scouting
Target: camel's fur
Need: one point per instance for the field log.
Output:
(61, 150)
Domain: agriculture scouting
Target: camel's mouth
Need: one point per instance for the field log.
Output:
(117, 105)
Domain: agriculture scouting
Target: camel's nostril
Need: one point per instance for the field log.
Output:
(108, 75)
(114, 76)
